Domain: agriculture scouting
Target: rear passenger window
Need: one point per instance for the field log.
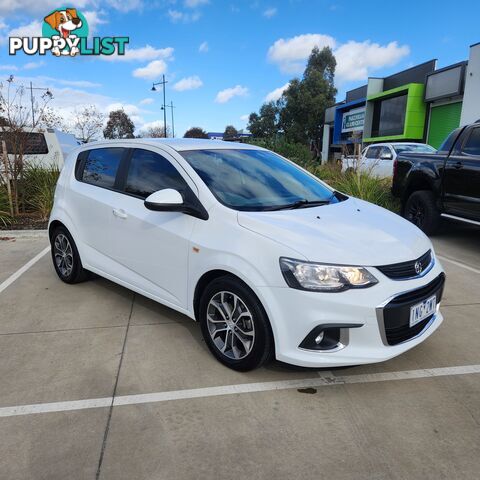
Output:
(472, 145)
(150, 172)
(101, 166)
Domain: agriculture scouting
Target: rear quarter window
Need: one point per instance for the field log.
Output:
(101, 165)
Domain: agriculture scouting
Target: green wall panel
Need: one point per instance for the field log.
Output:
(443, 119)
(414, 115)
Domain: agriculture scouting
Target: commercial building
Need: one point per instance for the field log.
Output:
(420, 104)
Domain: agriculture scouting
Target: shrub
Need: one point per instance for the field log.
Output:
(5, 218)
(39, 188)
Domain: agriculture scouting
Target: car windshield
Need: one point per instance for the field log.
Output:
(258, 180)
(414, 147)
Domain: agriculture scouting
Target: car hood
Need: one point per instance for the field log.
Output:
(352, 232)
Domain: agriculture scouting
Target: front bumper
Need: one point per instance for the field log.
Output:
(295, 313)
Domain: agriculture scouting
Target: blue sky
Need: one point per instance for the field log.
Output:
(222, 59)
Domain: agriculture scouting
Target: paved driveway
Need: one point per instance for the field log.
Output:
(119, 387)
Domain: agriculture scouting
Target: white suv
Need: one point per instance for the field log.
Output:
(267, 258)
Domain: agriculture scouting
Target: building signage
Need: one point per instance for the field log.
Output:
(353, 120)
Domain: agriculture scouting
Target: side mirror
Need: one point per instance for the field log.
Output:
(386, 156)
(170, 200)
(167, 200)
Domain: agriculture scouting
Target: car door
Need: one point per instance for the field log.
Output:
(91, 200)
(462, 178)
(151, 248)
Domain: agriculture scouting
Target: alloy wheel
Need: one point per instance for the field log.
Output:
(230, 324)
(63, 254)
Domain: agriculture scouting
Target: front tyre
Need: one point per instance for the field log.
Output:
(234, 325)
(65, 256)
(421, 209)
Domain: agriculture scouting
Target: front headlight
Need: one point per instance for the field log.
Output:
(324, 278)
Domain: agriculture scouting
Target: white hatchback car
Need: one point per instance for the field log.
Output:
(267, 258)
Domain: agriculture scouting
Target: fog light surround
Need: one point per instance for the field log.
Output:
(328, 337)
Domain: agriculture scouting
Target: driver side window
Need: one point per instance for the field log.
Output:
(149, 172)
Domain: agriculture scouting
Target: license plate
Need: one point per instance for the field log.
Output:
(422, 310)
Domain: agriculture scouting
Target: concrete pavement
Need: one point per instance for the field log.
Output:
(96, 340)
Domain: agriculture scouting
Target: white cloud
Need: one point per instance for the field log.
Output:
(146, 101)
(151, 71)
(290, 54)
(226, 95)
(274, 95)
(270, 12)
(188, 83)
(43, 7)
(356, 59)
(203, 48)
(94, 19)
(125, 5)
(32, 29)
(155, 124)
(177, 16)
(195, 3)
(33, 65)
(9, 68)
(140, 54)
(244, 118)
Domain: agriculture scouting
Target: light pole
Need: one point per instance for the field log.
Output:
(48, 93)
(163, 82)
(173, 123)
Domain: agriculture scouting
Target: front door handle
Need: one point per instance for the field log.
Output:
(120, 213)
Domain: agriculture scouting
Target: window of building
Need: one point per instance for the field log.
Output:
(389, 116)
(472, 145)
(101, 166)
(149, 172)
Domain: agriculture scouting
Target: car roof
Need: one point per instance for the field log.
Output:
(180, 144)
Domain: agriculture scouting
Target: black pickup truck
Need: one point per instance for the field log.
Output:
(442, 184)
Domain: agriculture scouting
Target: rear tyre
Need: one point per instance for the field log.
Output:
(234, 325)
(65, 256)
(421, 209)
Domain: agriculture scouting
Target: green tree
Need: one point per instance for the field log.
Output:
(265, 123)
(304, 102)
(230, 132)
(119, 125)
(195, 132)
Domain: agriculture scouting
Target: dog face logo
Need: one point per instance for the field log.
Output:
(66, 23)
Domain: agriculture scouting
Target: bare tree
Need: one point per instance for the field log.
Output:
(50, 119)
(19, 119)
(88, 123)
(155, 132)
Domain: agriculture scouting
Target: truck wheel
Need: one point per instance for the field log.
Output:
(422, 211)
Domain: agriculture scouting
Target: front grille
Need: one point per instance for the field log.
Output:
(404, 270)
(396, 314)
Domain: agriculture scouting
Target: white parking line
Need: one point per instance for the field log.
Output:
(22, 270)
(458, 264)
(316, 382)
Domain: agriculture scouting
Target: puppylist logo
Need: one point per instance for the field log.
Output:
(65, 32)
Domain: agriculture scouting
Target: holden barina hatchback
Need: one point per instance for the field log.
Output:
(271, 261)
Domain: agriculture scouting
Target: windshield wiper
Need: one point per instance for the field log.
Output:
(303, 203)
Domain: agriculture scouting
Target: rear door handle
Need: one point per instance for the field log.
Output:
(458, 165)
(120, 213)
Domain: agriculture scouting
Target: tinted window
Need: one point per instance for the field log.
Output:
(385, 151)
(25, 143)
(449, 141)
(256, 179)
(149, 172)
(414, 147)
(389, 116)
(101, 166)
(472, 145)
